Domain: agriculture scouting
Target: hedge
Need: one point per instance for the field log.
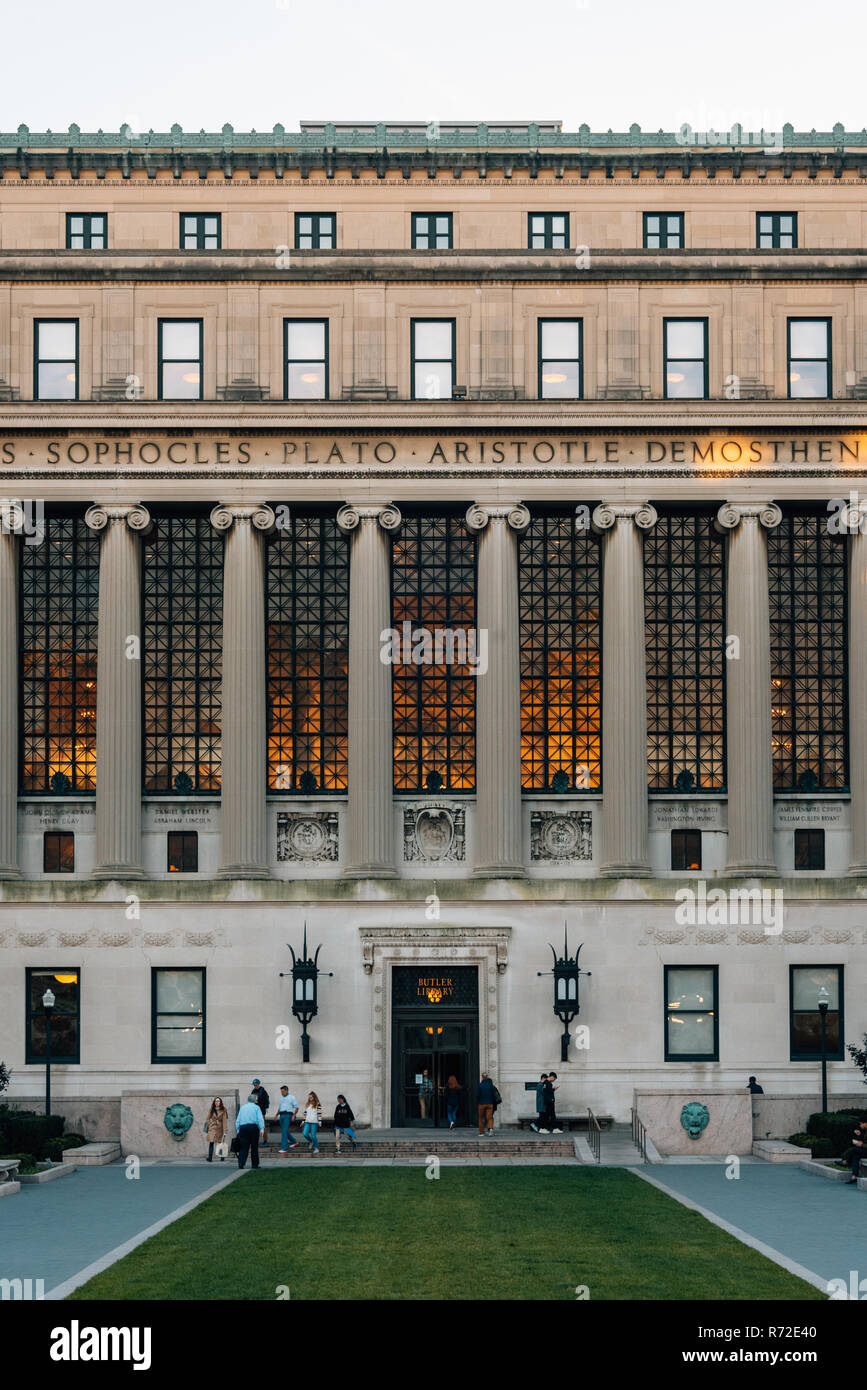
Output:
(836, 1126)
(820, 1148)
(20, 1133)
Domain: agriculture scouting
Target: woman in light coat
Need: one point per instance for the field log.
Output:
(215, 1127)
(312, 1120)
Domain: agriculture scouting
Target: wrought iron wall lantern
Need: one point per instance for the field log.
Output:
(567, 973)
(305, 976)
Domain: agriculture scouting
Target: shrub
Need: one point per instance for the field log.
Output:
(27, 1162)
(5, 1076)
(71, 1141)
(836, 1126)
(21, 1133)
(820, 1148)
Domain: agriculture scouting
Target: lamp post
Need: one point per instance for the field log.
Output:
(48, 1010)
(823, 1015)
(305, 974)
(566, 974)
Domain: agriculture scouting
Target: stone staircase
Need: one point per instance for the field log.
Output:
(415, 1143)
(618, 1150)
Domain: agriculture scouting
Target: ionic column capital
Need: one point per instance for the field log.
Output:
(100, 516)
(350, 517)
(515, 515)
(260, 516)
(731, 514)
(641, 514)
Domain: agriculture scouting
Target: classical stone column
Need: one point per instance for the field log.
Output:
(624, 689)
(857, 543)
(499, 850)
(749, 748)
(119, 690)
(11, 521)
(243, 809)
(370, 831)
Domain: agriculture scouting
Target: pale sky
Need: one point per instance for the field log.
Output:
(607, 62)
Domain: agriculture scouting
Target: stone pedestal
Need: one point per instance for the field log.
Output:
(498, 839)
(243, 789)
(119, 691)
(858, 697)
(11, 520)
(624, 685)
(749, 749)
(370, 831)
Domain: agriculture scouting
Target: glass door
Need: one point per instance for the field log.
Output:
(428, 1055)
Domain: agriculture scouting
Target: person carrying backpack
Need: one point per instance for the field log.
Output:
(263, 1100)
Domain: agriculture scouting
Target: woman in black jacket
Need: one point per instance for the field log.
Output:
(343, 1122)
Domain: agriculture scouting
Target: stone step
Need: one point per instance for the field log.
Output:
(447, 1148)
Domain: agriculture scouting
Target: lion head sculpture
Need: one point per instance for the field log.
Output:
(178, 1119)
(694, 1118)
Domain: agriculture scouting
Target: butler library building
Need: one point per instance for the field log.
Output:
(436, 539)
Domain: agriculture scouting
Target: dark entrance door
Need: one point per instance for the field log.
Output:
(434, 1038)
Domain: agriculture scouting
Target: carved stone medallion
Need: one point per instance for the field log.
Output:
(433, 834)
(561, 836)
(307, 837)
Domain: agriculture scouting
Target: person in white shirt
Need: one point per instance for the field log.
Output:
(287, 1109)
(312, 1120)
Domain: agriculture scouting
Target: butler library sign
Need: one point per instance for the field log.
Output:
(355, 454)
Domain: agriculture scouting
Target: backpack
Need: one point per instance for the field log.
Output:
(264, 1099)
(498, 1099)
(540, 1098)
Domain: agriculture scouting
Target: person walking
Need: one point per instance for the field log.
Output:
(425, 1093)
(550, 1116)
(343, 1122)
(312, 1120)
(287, 1109)
(249, 1125)
(263, 1100)
(486, 1094)
(216, 1125)
(539, 1126)
(453, 1100)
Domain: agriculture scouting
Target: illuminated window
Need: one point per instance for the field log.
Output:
(201, 231)
(432, 231)
(560, 610)
(65, 984)
(315, 231)
(182, 584)
(560, 359)
(684, 633)
(306, 367)
(685, 373)
(548, 231)
(58, 852)
(180, 359)
(178, 1015)
(55, 360)
(778, 230)
(182, 852)
(805, 1021)
(686, 849)
(807, 579)
(434, 596)
(691, 1017)
(307, 635)
(86, 231)
(663, 231)
(59, 595)
(810, 359)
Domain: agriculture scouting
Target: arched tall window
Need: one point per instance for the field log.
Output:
(684, 601)
(434, 612)
(808, 596)
(182, 588)
(307, 634)
(560, 610)
(59, 593)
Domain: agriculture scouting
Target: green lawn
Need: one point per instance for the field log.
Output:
(490, 1233)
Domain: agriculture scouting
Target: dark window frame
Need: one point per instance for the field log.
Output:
(414, 232)
(30, 1057)
(684, 837)
(157, 1060)
(37, 360)
(775, 233)
(685, 318)
(87, 232)
(199, 231)
(162, 359)
(541, 361)
(315, 232)
(185, 835)
(691, 1056)
(547, 231)
(286, 359)
(839, 1054)
(413, 323)
(812, 836)
(57, 835)
(680, 234)
(829, 364)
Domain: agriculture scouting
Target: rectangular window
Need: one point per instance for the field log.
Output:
(180, 359)
(55, 360)
(432, 231)
(548, 231)
(663, 231)
(306, 366)
(182, 855)
(201, 231)
(561, 375)
(691, 1018)
(178, 1015)
(432, 348)
(809, 849)
(778, 230)
(315, 231)
(65, 984)
(686, 849)
(809, 358)
(685, 352)
(805, 1020)
(86, 231)
(58, 852)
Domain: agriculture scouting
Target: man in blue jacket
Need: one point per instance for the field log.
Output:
(486, 1095)
(249, 1124)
